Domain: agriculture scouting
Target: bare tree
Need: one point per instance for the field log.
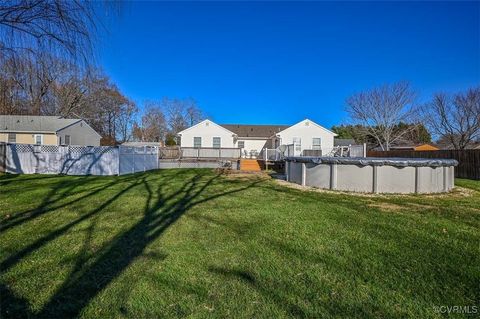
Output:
(193, 113)
(125, 121)
(456, 118)
(59, 27)
(154, 125)
(175, 110)
(381, 109)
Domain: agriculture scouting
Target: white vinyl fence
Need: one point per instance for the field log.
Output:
(137, 159)
(79, 160)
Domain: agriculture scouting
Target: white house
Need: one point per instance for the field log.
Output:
(253, 139)
(307, 135)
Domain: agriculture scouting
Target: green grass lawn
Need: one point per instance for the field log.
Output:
(177, 243)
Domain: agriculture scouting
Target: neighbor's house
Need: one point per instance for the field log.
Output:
(46, 130)
(416, 147)
(253, 139)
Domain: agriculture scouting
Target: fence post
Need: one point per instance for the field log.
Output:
(417, 179)
(144, 157)
(333, 176)
(287, 164)
(304, 174)
(118, 159)
(375, 179)
(445, 187)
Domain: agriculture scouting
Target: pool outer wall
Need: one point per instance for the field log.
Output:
(371, 178)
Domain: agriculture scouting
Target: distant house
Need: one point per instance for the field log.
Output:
(470, 146)
(253, 139)
(140, 144)
(46, 130)
(417, 147)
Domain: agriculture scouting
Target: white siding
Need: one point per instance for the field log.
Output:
(207, 130)
(80, 134)
(306, 130)
(252, 145)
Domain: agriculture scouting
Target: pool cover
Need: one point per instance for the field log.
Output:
(375, 161)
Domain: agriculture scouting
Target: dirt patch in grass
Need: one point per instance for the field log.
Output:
(389, 207)
(421, 206)
(241, 175)
(457, 192)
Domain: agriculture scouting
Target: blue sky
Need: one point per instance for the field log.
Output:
(280, 62)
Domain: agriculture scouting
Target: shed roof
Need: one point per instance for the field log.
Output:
(33, 123)
(247, 130)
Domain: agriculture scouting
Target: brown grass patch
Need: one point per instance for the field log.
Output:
(456, 192)
(242, 175)
(388, 207)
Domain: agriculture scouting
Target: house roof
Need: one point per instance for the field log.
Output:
(31, 123)
(247, 130)
(419, 147)
(308, 122)
(206, 122)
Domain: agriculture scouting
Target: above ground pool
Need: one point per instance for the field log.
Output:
(372, 174)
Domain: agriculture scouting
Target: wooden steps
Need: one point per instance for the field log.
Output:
(250, 165)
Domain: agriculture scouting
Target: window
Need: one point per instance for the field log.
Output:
(241, 144)
(67, 139)
(217, 142)
(12, 138)
(197, 142)
(38, 138)
(316, 143)
(297, 141)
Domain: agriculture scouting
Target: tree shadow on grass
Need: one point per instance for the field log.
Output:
(57, 194)
(160, 212)
(7, 178)
(11, 305)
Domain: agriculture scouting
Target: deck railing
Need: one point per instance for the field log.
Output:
(283, 151)
(199, 153)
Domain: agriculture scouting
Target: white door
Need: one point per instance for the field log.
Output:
(297, 146)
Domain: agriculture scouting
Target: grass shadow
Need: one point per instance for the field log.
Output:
(85, 281)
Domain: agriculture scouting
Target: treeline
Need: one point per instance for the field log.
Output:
(391, 115)
(46, 68)
(414, 133)
(47, 85)
(162, 120)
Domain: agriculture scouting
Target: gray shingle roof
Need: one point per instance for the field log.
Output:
(31, 123)
(245, 130)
